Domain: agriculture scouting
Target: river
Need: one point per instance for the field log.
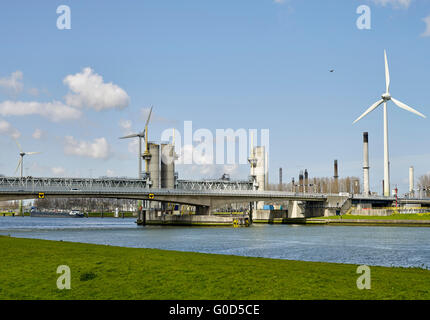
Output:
(370, 245)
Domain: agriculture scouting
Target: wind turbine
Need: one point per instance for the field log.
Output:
(22, 154)
(21, 164)
(140, 135)
(384, 99)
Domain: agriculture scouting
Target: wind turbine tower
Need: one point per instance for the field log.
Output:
(140, 135)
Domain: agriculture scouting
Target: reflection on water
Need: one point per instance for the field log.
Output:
(385, 246)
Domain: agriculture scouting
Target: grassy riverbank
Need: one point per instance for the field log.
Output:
(28, 271)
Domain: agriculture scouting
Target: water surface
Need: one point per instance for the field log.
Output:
(371, 245)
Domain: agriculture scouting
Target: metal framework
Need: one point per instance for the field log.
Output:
(214, 185)
(71, 184)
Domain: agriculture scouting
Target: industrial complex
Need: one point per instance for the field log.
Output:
(163, 196)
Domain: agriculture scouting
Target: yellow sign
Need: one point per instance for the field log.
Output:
(41, 195)
(151, 196)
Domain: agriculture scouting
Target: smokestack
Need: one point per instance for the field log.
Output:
(366, 188)
(336, 177)
(336, 173)
(301, 181)
(293, 185)
(306, 180)
(280, 178)
(411, 181)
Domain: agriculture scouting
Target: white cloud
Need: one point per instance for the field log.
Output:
(54, 111)
(427, 31)
(58, 171)
(125, 125)
(37, 134)
(88, 89)
(394, 3)
(110, 173)
(6, 128)
(98, 149)
(13, 82)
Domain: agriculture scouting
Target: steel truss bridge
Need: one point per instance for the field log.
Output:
(114, 183)
(208, 193)
(199, 193)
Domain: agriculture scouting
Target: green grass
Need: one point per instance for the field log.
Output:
(28, 271)
(418, 216)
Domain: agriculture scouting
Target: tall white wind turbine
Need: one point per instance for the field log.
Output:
(385, 98)
(140, 135)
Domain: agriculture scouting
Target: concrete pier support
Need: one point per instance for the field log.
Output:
(296, 209)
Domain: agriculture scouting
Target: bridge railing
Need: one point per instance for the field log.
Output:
(63, 184)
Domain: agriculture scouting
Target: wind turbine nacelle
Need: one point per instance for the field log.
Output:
(386, 97)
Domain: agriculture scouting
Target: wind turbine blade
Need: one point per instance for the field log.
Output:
(32, 153)
(373, 107)
(407, 108)
(387, 73)
(19, 163)
(149, 116)
(19, 146)
(130, 136)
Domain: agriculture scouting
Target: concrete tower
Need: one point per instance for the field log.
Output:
(411, 181)
(154, 164)
(258, 170)
(260, 167)
(366, 186)
(168, 158)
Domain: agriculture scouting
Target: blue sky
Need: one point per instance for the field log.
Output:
(221, 64)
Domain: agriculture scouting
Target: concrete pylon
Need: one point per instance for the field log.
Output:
(411, 181)
(259, 170)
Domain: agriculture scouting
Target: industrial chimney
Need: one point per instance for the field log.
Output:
(336, 177)
(411, 182)
(366, 189)
(280, 178)
(306, 180)
(301, 181)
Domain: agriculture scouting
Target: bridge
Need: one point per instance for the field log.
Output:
(206, 195)
(203, 194)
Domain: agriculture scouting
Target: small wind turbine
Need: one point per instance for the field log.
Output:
(21, 164)
(385, 98)
(140, 135)
(22, 154)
